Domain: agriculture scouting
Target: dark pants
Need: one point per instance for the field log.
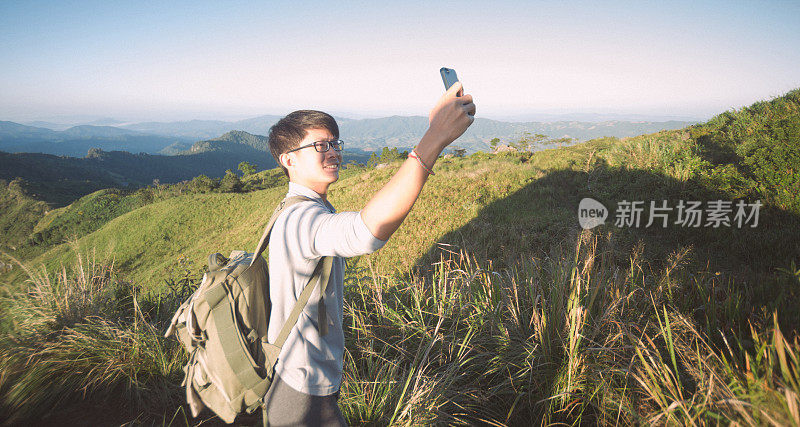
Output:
(289, 407)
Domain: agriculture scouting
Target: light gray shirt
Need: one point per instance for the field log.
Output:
(302, 234)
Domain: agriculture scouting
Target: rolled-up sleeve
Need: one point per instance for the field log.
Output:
(322, 233)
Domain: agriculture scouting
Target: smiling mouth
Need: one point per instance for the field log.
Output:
(332, 167)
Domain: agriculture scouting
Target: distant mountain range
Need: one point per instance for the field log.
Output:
(204, 129)
(171, 138)
(77, 140)
(405, 131)
(233, 141)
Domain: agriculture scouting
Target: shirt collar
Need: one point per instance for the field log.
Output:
(296, 189)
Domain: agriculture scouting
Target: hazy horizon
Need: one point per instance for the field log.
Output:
(99, 120)
(203, 60)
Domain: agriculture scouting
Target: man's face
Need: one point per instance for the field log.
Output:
(314, 169)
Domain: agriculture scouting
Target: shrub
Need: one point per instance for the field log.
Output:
(247, 168)
(230, 183)
(773, 160)
(203, 184)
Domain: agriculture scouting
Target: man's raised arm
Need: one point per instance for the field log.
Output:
(387, 209)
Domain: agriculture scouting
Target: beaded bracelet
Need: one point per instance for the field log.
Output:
(414, 154)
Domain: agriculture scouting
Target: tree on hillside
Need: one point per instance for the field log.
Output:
(390, 155)
(247, 168)
(494, 143)
(230, 183)
(373, 160)
(18, 187)
(529, 142)
(203, 184)
(387, 155)
(563, 141)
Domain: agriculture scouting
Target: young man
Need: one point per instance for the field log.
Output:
(306, 145)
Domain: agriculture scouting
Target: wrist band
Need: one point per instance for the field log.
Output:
(414, 154)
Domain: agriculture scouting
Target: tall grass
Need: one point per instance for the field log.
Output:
(81, 334)
(572, 337)
(565, 339)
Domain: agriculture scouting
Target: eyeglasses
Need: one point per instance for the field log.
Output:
(322, 146)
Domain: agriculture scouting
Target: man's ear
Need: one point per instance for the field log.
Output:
(286, 160)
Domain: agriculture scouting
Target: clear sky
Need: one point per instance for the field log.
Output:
(169, 60)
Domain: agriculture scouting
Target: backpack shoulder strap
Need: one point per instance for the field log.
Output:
(320, 278)
(285, 203)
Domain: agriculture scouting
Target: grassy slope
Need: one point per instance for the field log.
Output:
(34, 230)
(20, 213)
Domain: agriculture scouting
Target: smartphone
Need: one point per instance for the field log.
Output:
(449, 77)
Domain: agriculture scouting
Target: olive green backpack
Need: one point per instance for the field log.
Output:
(223, 327)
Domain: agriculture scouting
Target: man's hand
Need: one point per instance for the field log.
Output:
(387, 209)
(451, 117)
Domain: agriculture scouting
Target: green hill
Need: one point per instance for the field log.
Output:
(20, 211)
(539, 319)
(77, 140)
(32, 226)
(230, 140)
